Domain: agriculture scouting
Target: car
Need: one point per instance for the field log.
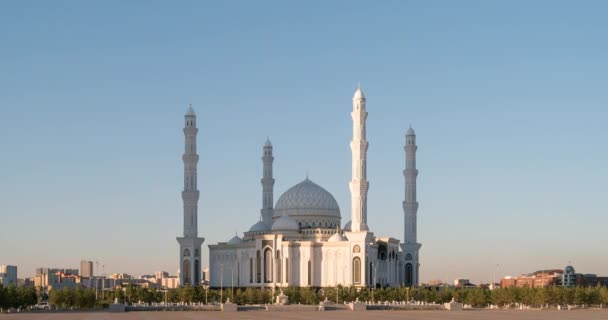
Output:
(43, 306)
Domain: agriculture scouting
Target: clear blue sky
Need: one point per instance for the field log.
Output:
(508, 99)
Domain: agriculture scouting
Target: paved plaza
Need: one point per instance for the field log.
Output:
(376, 315)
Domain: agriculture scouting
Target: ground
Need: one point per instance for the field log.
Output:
(376, 315)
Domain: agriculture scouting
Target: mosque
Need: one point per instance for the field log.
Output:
(299, 240)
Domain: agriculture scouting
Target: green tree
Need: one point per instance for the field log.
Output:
(186, 294)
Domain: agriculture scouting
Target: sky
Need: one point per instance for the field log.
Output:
(508, 100)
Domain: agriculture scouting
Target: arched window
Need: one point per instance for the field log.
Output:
(197, 272)
(287, 270)
(250, 270)
(356, 270)
(258, 267)
(186, 272)
(279, 267)
(309, 273)
(267, 265)
(409, 275)
(408, 256)
(371, 274)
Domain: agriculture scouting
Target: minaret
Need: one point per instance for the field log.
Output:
(410, 246)
(267, 185)
(358, 147)
(190, 243)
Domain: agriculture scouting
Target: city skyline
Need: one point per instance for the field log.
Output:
(509, 118)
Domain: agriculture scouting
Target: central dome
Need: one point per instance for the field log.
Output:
(309, 204)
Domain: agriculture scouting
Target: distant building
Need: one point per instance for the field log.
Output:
(206, 274)
(565, 278)
(63, 280)
(435, 283)
(86, 269)
(170, 282)
(538, 279)
(572, 279)
(120, 276)
(462, 282)
(25, 283)
(161, 274)
(46, 277)
(8, 275)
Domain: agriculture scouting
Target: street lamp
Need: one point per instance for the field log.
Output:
(374, 282)
(206, 286)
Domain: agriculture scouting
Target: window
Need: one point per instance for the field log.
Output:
(408, 257)
(186, 272)
(309, 273)
(267, 265)
(258, 267)
(279, 267)
(287, 270)
(356, 270)
(186, 253)
(197, 272)
(408, 275)
(250, 270)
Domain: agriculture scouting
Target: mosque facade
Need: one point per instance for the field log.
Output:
(300, 240)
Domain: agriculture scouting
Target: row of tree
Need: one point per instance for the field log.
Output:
(478, 297)
(17, 297)
(79, 297)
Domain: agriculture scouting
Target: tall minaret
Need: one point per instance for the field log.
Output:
(358, 147)
(410, 246)
(267, 185)
(190, 243)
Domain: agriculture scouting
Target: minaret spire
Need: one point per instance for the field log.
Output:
(410, 246)
(267, 185)
(358, 147)
(190, 243)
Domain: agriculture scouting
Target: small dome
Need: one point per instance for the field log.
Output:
(190, 111)
(410, 132)
(348, 226)
(359, 93)
(235, 240)
(285, 223)
(337, 237)
(259, 226)
(268, 143)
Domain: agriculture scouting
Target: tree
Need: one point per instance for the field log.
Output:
(186, 294)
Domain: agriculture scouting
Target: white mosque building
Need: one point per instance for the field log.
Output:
(299, 240)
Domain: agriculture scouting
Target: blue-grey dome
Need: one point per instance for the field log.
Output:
(235, 240)
(337, 237)
(285, 223)
(259, 226)
(348, 226)
(309, 205)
